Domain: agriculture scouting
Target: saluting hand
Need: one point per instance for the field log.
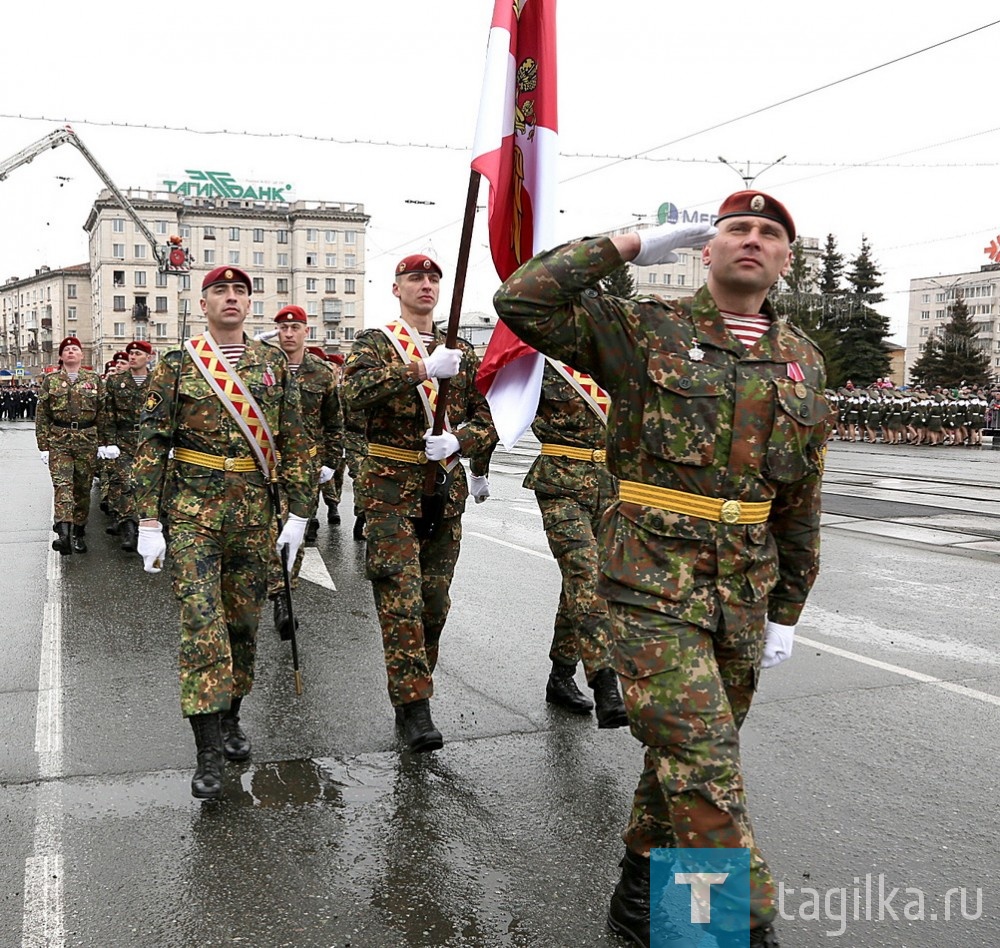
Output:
(657, 244)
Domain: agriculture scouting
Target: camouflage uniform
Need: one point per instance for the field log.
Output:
(125, 398)
(693, 410)
(220, 523)
(573, 496)
(67, 422)
(322, 417)
(410, 576)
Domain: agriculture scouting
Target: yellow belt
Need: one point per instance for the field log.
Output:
(397, 454)
(694, 505)
(580, 454)
(216, 463)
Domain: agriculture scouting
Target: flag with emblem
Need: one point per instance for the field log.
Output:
(515, 150)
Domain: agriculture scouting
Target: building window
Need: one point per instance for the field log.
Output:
(348, 333)
(350, 236)
(680, 279)
(120, 327)
(117, 226)
(282, 287)
(258, 307)
(939, 314)
(311, 259)
(331, 285)
(140, 331)
(140, 251)
(118, 251)
(160, 227)
(71, 291)
(925, 314)
(331, 260)
(925, 330)
(330, 236)
(310, 235)
(185, 283)
(282, 259)
(349, 285)
(162, 280)
(258, 258)
(234, 258)
(258, 284)
(208, 233)
(349, 310)
(258, 235)
(161, 330)
(282, 236)
(234, 233)
(312, 308)
(331, 335)
(118, 277)
(311, 333)
(140, 277)
(71, 313)
(350, 261)
(209, 256)
(185, 231)
(310, 285)
(652, 278)
(119, 304)
(161, 304)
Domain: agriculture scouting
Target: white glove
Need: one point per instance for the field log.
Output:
(109, 452)
(44, 455)
(325, 474)
(443, 363)
(152, 548)
(439, 447)
(657, 244)
(479, 486)
(266, 336)
(292, 535)
(777, 643)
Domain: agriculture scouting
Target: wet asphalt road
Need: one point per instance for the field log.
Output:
(870, 756)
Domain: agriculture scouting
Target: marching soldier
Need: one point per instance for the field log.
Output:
(574, 488)
(126, 393)
(391, 375)
(70, 406)
(224, 406)
(717, 435)
(332, 489)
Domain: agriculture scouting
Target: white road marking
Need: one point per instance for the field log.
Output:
(513, 546)
(42, 925)
(951, 686)
(314, 569)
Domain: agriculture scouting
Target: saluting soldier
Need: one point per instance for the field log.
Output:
(717, 434)
(225, 405)
(324, 424)
(126, 394)
(70, 406)
(574, 488)
(391, 376)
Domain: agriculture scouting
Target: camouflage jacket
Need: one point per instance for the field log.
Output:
(564, 417)
(124, 405)
(62, 402)
(220, 499)
(355, 445)
(376, 381)
(732, 424)
(321, 409)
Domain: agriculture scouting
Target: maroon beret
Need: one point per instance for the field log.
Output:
(291, 314)
(121, 357)
(757, 204)
(141, 345)
(417, 263)
(336, 358)
(69, 341)
(227, 275)
(317, 351)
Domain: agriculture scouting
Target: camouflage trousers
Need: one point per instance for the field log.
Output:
(687, 692)
(333, 488)
(72, 462)
(220, 580)
(120, 498)
(582, 624)
(275, 579)
(410, 580)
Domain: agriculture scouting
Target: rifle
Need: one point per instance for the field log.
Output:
(287, 591)
(437, 482)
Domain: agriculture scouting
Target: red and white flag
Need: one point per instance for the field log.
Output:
(515, 150)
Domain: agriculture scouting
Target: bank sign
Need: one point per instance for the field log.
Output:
(221, 184)
(668, 213)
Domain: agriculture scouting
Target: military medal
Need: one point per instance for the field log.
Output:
(696, 353)
(269, 378)
(800, 390)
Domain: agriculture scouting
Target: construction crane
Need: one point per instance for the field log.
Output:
(171, 257)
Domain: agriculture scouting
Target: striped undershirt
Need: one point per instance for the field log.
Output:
(139, 379)
(233, 352)
(748, 329)
(294, 367)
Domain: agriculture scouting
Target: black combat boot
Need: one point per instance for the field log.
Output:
(332, 514)
(130, 536)
(563, 691)
(628, 914)
(114, 528)
(359, 526)
(418, 728)
(206, 784)
(282, 620)
(610, 707)
(79, 544)
(62, 544)
(312, 530)
(235, 743)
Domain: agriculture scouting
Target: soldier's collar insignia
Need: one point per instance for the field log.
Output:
(153, 400)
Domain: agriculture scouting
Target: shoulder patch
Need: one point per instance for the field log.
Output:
(153, 400)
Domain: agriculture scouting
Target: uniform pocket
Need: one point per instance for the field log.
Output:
(389, 548)
(651, 562)
(680, 415)
(790, 451)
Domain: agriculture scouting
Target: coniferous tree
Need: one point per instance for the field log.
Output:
(862, 331)
(961, 361)
(620, 282)
(925, 371)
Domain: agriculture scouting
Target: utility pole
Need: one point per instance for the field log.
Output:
(748, 179)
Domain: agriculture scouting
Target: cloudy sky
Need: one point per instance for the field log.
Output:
(885, 118)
